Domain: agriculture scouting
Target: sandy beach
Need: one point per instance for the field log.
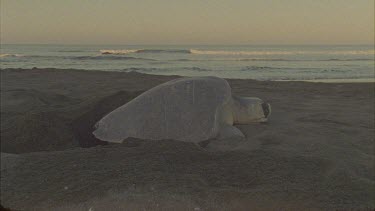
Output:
(316, 151)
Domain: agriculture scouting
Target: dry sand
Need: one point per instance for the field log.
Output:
(316, 152)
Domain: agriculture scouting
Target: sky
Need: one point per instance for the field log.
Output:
(226, 22)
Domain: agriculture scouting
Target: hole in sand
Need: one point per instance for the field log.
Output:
(84, 125)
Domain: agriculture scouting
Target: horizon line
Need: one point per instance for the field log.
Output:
(202, 44)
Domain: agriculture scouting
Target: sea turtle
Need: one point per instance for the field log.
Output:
(191, 109)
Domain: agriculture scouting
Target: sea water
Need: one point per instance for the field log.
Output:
(279, 62)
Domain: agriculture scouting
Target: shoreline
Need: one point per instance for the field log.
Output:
(335, 81)
(328, 80)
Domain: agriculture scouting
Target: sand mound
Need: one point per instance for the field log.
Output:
(43, 131)
(26, 100)
(35, 121)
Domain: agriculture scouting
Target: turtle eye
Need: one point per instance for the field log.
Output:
(266, 109)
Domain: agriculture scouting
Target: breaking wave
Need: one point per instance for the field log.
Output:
(109, 58)
(10, 55)
(295, 69)
(117, 52)
(71, 51)
(234, 53)
(271, 59)
(209, 52)
(154, 69)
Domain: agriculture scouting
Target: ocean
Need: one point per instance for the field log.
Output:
(270, 62)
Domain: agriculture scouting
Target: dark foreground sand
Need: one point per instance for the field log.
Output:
(317, 151)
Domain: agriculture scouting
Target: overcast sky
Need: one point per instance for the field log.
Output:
(187, 21)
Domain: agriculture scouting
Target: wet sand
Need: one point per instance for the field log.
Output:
(316, 151)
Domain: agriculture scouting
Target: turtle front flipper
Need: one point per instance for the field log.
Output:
(229, 132)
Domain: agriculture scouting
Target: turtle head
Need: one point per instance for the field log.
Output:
(250, 109)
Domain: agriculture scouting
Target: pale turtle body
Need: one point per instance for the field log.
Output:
(187, 109)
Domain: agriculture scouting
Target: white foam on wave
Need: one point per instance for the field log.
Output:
(234, 53)
(341, 80)
(368, 52)
(220, 52)
(128, 51)
(209, 52)
(9, 55)
(120, 51)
